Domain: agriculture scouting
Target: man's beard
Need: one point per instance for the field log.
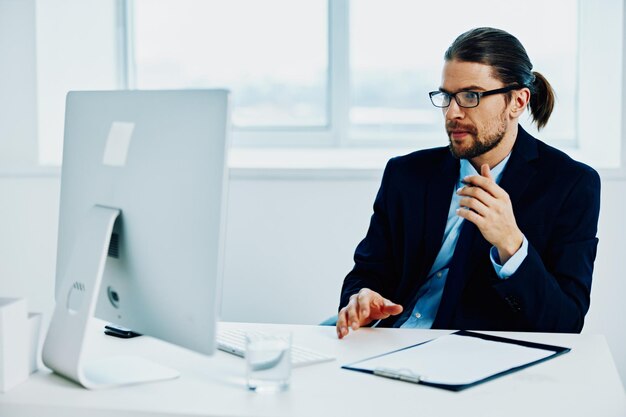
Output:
(481, 143)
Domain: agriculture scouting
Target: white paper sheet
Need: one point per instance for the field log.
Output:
(455, 359)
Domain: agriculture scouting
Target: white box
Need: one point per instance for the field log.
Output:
(14, 343)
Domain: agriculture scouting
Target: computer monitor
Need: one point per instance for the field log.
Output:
(141, 226)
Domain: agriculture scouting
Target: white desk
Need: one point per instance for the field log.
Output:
(583, 382)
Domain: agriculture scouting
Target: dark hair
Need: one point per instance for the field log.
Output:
(511, 65)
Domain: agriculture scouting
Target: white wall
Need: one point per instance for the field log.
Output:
(289, 240)
(288, 245)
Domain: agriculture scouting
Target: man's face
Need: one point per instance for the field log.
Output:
(473, 131)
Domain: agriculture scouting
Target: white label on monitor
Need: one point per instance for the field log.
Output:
(118, 141)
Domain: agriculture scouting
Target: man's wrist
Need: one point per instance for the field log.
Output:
(506, 270)
(510, 248)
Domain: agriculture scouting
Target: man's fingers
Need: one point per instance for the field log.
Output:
(486, 172)
(486, 184)
(474, 204)
(363, 307)
(352, 319)
(478, 193)
(342, 320)
(473, 217)
(363, 299)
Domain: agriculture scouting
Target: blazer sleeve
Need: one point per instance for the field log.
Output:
(551, 290)
(373, 256)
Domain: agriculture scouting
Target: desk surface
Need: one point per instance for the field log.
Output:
(583, 382)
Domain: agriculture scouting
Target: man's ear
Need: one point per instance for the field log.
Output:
(519, 102)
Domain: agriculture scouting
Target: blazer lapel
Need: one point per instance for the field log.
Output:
(428, 236)
(438, 197)
(519, 170)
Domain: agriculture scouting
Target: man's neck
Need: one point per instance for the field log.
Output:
(497, 154)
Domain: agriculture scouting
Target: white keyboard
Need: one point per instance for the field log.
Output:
(234, 341)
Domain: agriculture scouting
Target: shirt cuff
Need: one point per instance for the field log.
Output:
(514, 262)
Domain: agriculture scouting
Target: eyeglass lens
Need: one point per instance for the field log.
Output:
(463, 98)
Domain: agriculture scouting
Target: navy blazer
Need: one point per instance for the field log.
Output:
(556, 202)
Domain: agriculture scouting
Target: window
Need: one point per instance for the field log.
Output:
(330, 74)
(272, 55)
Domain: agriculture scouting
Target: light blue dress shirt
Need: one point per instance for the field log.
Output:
(429, 295)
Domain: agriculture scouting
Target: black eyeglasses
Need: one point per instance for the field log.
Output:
(467, 99)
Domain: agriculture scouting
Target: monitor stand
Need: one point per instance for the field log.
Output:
(64, 349)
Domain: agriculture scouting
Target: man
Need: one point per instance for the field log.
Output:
(496, 231)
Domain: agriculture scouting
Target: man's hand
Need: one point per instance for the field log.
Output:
(492, 212)
(363, 308)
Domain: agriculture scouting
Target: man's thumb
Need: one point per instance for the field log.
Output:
(391, 308)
